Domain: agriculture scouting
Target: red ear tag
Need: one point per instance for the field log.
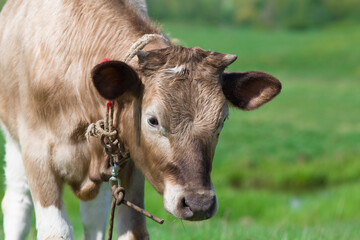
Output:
(105, 60)
(108, 104)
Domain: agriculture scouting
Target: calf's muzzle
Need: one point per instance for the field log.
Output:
(190, 204)
(199, 205)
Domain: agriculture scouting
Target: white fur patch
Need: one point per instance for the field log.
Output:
(126, 236)
(177, 70)
(52, 222)
(172, 195)
(17, 209)
(17, 203)
(14, 168)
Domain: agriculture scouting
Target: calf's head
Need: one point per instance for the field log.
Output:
(176, 108)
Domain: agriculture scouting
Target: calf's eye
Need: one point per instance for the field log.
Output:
(153, 122)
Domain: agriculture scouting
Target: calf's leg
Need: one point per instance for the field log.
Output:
(129, 223)
(46, 190)
(17, 204)
(94, 214)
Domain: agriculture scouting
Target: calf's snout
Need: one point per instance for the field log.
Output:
(190, 204)
(200, 205)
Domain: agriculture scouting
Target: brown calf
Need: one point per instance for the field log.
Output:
(171, 104)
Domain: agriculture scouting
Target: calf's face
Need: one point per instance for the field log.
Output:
(181, 95)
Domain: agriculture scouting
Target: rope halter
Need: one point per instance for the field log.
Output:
(110, 140)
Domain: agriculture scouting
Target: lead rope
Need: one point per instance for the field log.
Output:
(109, 139)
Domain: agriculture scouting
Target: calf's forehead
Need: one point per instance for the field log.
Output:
(187, 102)
(185, 84)
(191, 62)
(176, 55)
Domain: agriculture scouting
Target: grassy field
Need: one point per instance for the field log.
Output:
(290, 170)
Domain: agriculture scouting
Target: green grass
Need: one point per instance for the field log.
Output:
(291, 169)
(331, 54)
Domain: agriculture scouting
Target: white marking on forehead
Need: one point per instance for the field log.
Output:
(177, 70)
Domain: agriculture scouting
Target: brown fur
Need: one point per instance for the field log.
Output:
(47, 98)
(192, 106)
(200, 79)
(57, 73)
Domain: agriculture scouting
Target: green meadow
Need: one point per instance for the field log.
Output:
(291, 169)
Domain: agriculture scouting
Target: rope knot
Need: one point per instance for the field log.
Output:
(95, 129)
(118, 194)
(109, 135)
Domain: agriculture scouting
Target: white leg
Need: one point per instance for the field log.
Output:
(129, 223)
(52, 222)
(46, 190)
(94, 214)
(17, 204)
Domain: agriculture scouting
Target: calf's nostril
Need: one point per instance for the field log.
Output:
(185, 209)
(183, 203)
(196, 205)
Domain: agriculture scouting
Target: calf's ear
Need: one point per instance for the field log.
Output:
(113, 78)
(249, 90)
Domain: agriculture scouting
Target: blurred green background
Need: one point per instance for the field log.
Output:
(291, 169)
(290, 14)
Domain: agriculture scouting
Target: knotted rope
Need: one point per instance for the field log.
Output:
(109, 139)
(109, 136)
